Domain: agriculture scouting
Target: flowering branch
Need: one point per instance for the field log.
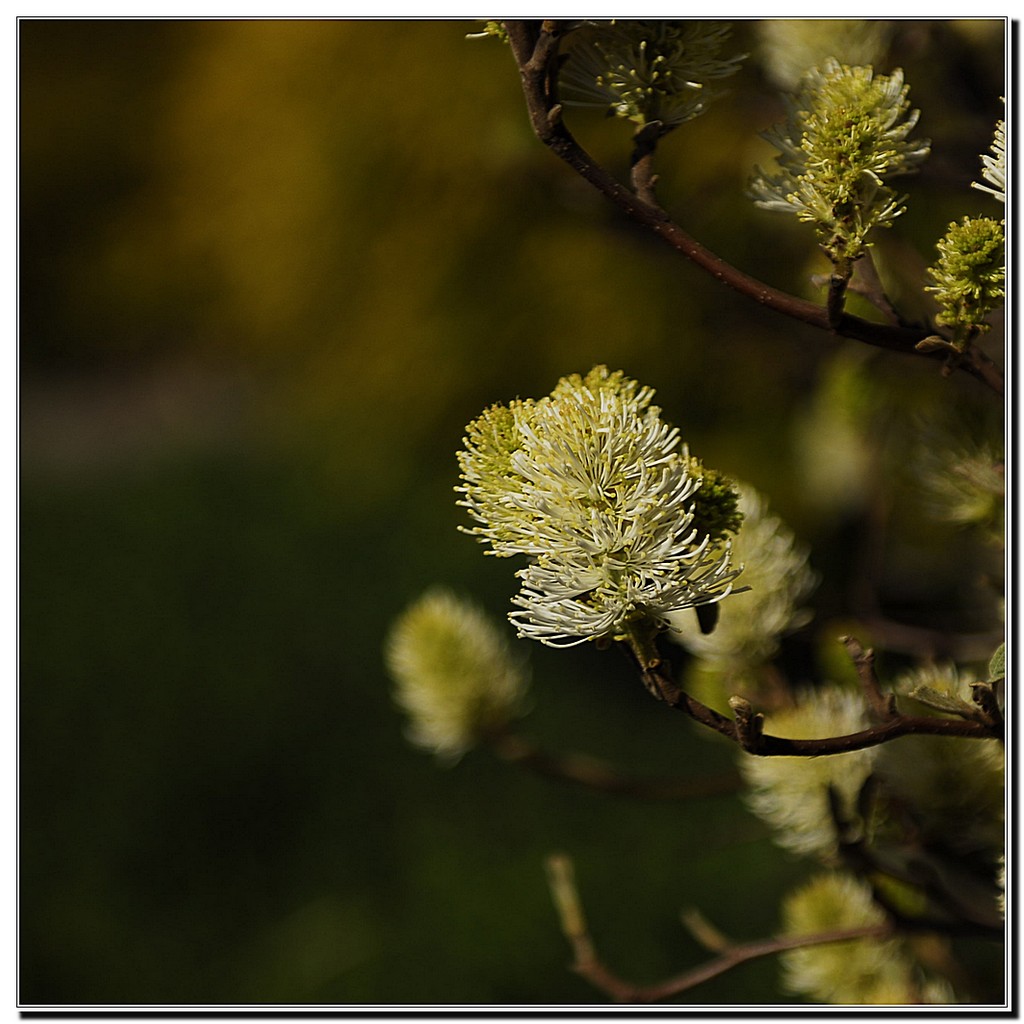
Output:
(745, 729)
(864, 281)
(596, 775)
(534, 45)
(588, 964)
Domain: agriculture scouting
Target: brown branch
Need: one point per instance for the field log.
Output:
(733, 956)
(588, 964)
(746, 732)
(642, 176)
(869, 284)
(929, 643)
(535, 48)
(836, 301)
(597, 775)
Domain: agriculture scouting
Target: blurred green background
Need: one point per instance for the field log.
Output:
(269, 270)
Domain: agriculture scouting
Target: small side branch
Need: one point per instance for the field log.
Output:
(745, 728)
(883, 706)
(588, 964)
(749, 725)
(601, 777)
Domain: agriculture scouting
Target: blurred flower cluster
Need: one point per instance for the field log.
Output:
(648, 71)
(789, 47)
(800, 797)
(962, 481)
(455, 676)
(776, 580)
(861, 971)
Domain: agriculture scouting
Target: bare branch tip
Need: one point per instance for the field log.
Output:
(749, 725)
(703, 931)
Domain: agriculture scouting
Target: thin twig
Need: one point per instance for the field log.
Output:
(657, 677)
(736, 955)
(574, 926)
(534, 46)
(929, 643)
(869, 284)
(883, 706)
(704, 931)
(599, 776)
(836, 301)
(588, 964)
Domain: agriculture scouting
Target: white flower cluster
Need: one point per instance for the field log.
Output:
(993, 168)
(455, 675)
(776, 580)
(864, 971)
(792, 793)
(597, 491)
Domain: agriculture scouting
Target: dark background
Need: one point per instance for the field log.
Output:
(268, 272)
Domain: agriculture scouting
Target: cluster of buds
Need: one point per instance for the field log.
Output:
(970, 273)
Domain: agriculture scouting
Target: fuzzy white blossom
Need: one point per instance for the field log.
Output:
(455, 675)
(863, 971)
(962, 480)
(792, 793)
(776, 580)
(956, 789)
(791, 46)
(993, 168)
(602, 498)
